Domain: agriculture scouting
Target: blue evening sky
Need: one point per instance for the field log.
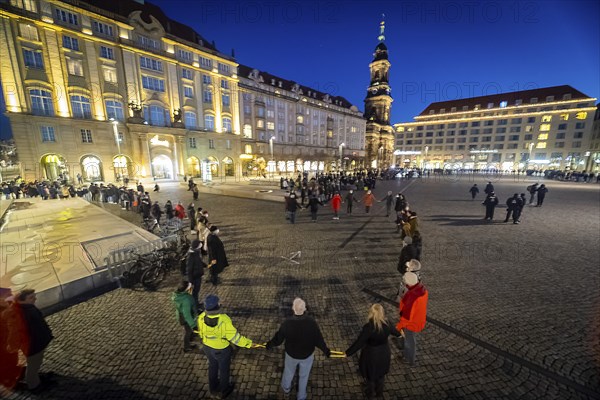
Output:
(439, 50)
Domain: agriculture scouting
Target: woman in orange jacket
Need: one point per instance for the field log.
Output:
(368, 200)
(336, 203)
(413, 314)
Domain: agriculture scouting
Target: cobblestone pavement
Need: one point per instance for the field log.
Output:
(514, 309)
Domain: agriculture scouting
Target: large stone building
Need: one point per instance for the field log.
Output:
(378, 107)
(112, 89)
(288, 127)
(546, 128)
(593, 162)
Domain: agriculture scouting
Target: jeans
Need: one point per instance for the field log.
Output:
(219, 363)
(34, 363)
(187, 335)
(293, 217)
(290, 370)
(410, 346)
(313, 215)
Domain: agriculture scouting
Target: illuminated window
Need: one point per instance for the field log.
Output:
(503, 104)
(543, 136)
(564, 117)
(540, 145)
(248, 149)
(400, 129)
(29, 32)
(581, 115)
(247, 131)
(110, 74)
(75, 67)
(546, 118)
(226, 124)
(545, 127)
(528, 128)
(300, 119)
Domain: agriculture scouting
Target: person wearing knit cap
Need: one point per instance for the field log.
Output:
(218, 334)
(195, 269)
(186, 312)
(216, 255)
(301, 335)
(408, 252)
(413, 314)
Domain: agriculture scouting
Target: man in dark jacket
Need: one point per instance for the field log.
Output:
(350, 200)
(512, 207)
(490, 203)
(313, 204)
(293, 206)
(474, 190)
(301, 335)
(408, 252)
(216, 255)
(489, 188)
(532, 189)
(541, 194)
(195, 269)
(29, 332)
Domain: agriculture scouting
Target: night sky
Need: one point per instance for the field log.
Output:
(439, 50)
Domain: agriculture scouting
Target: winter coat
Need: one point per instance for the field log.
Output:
(216, 251)
(28, 329)
(194, 265)
(413, 309)
(185, 308)
(336, 202)
(374, 361)
(368, 199)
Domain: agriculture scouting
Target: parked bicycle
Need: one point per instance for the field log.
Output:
(133, 276)
(152, 225)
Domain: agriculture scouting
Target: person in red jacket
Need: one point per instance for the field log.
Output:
(369, 199)
(413, 313)
(179, 214)
(336, 203)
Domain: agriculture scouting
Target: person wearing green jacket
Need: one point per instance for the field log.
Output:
(186, 313)
(218, 333)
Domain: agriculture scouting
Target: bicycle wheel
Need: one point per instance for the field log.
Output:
(152, 277)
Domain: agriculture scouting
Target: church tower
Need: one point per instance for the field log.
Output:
(378, 105)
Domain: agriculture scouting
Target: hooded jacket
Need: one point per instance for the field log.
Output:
(185, 308)
(413, 308)
(217, 331)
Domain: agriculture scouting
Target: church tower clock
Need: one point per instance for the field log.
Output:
(378, 105)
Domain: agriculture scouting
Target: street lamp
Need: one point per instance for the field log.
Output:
(115, 125)
(426, 151)
(341, 154)
(272, 159)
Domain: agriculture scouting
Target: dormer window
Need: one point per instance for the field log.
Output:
(431, 112)
(518, 102)
(533, 100)
(549, 98)
(566, 96)
(490, 105)
(465, 108)
(273, 82)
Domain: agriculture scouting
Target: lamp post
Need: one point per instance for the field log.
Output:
(115, 125)
(529, 159)
(426, 151)
(272, 159)
(341, 155)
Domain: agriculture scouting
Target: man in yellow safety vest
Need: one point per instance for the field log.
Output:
(218, 333)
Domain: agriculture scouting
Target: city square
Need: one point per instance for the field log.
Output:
(513, 309)
(181, 219)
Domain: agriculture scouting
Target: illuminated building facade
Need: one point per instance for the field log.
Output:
(114, 89)
(289, 128)
(546, 128)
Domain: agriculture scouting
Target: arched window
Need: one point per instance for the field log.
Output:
(190, 120)
(41, 102)
(226, 124)
(209, 122)
(114, 110)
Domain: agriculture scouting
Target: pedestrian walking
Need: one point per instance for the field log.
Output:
(218, 334)
(336, 203)
(216, 255)
(186, 313)
(541, 195)
(490, 203)
(169, 211)
(195, 269)
(301, 335)
(29, 332)
(413, 314)
(489, 188)
(474, 191)
(195, 192)
(350, 200)
(374, 361)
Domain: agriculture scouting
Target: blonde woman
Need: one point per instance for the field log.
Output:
(374, 362)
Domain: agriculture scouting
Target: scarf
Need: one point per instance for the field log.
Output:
(410, 297)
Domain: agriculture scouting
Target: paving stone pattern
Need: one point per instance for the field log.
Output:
(531, 290)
